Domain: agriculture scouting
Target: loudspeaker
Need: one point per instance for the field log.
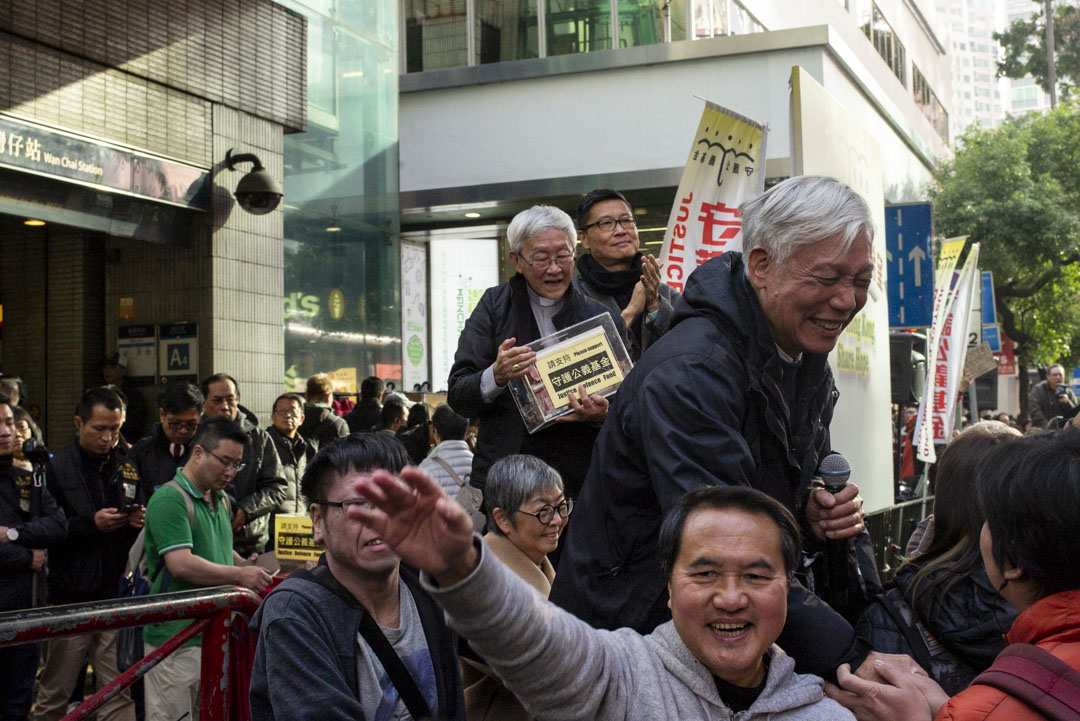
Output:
(986, 391)
(906, 366)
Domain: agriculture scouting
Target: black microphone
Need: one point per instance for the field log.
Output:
(834, 472)
(35, 451)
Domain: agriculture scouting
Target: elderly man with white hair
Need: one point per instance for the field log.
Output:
(493, 350)
(738, 392)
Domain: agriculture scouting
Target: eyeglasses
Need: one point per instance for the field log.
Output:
(290, 413)
(608, 224)
(348, 503)
(563, 261)
(547, 514)
(182, 425)
(229, 465)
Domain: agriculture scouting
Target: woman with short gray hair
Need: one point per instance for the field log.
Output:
(527, 512)
(493, 350)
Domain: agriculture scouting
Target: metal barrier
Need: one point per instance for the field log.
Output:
(890, 528)
(211, 607)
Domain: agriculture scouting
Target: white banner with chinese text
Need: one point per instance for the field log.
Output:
(938, 405)
(726, 166)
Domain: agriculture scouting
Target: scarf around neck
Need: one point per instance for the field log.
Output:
(618, 283)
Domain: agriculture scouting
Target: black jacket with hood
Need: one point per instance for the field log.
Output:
(705, 405)
(306, 660)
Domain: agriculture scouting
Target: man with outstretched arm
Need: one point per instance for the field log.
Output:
(728, 554)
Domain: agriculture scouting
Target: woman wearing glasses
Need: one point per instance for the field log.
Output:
(614, 273)
(527, 511)
(493, 350)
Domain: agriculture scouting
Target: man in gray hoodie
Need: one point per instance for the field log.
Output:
(728, 554)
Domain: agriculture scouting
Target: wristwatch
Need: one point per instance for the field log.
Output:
(13, 534)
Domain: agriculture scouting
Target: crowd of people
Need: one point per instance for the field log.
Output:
(668, 552)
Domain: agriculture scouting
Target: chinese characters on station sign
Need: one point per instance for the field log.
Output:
(53, 153)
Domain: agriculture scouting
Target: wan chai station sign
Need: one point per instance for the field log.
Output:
(33, 148)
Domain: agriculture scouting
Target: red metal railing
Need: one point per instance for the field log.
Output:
(211, 607)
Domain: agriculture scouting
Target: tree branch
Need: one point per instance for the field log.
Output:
(1008, 323)
(1009, 288)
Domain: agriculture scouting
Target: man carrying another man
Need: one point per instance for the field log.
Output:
(189, 550)
(738, 392)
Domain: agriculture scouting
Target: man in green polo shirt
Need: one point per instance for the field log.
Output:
(184, 553)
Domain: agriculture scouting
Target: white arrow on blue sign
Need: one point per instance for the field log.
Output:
(908, 230)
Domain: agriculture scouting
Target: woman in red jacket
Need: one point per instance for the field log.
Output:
(1030, 492)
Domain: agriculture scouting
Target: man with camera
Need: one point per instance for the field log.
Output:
(1050, 398)
(30, 521)
(96, 487)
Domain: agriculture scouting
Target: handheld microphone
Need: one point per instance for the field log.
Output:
(35, 451)
(834, 472)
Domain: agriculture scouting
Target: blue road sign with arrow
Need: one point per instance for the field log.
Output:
(908, 230)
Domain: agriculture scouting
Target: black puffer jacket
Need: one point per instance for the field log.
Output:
(504, 312)
(40, 523)
(322, 425)
(967, 624)
(257, 490)
(705, 405)
(88, 565)
(294, 455)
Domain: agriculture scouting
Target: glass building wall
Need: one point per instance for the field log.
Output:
(440, 34)
(342, 290)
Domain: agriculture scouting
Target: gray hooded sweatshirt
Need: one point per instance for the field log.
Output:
(563, 669)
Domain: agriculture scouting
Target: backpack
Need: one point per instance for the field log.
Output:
(135, 582)
(469, 497)
(1038, 678)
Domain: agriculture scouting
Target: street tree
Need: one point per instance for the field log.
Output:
(1016, 190)
(1023, 45)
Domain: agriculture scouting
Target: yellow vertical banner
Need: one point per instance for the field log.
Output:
(726, 167)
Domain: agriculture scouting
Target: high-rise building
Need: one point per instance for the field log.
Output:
(978, 95)
(1024, 94)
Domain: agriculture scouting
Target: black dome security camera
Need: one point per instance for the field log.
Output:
(257, 192)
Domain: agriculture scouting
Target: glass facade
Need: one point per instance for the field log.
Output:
(889, 47)
(441, 34)
(928, 102)
(714, 18)
(342, 307)
(506, 30)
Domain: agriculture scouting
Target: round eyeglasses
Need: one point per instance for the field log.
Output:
(547, 514)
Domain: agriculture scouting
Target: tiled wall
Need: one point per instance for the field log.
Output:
(247, 54)
(187, 79)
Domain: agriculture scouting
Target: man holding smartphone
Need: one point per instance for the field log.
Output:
(97, 488)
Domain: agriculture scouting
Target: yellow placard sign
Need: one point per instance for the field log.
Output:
(585, 359)
(294, 538)
(343, 380)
